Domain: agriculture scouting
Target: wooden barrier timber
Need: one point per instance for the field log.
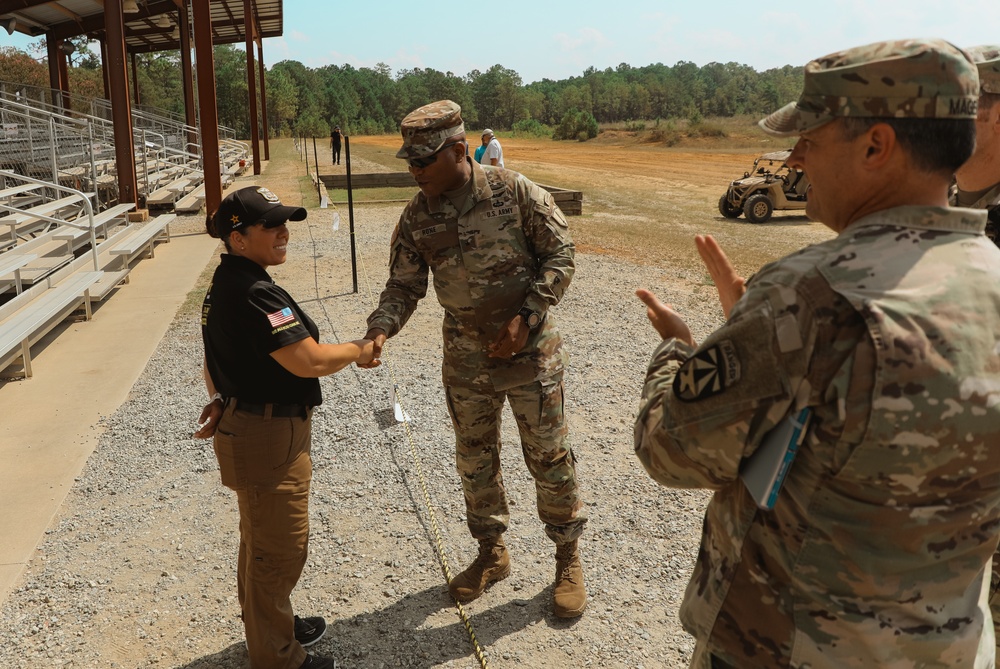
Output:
(375, 180)
(570, 201)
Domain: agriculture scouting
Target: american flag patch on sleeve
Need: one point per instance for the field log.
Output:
(286, 315)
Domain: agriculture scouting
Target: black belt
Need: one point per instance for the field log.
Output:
(277, 410)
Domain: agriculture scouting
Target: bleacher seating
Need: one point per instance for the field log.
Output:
(25, 224)
(59, 245)
(33, 312)
(55, 259)
(32, 316)
(144, 239)
(12, 263)
(192, 202)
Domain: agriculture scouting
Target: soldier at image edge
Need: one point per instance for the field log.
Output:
(977, 186)
(502, 256)
(876, 551)
(977, 182)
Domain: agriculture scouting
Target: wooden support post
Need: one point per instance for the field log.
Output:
(135, 81)
(187, 76)
(52, 49)
(263, 99)
(121, 109)
(209, 112)
(248, 23)
(67, 104)
(104, 66)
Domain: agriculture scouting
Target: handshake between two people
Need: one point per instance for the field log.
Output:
(509, 341)
(667, 322)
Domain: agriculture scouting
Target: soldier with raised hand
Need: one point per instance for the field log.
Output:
(977, 182)
(876, 551)
(501, 255)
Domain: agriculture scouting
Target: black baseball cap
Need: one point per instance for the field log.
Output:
(251, 205)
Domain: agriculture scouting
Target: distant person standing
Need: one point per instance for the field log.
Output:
(335, 144)
(493, 154)
(478, 156)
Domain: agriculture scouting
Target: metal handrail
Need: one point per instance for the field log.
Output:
(83, 196)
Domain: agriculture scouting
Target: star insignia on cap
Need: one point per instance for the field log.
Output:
(234, 219)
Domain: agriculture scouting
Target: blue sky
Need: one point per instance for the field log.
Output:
(556, 39)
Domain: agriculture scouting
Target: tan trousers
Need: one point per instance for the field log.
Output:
(266, 461)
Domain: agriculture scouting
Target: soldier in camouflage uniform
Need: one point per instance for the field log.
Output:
(977, 182)
(977, 186)
(501, 255)
(876, 553)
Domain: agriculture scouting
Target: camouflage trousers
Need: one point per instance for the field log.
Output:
(538, 410)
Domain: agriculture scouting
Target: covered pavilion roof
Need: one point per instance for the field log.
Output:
(145, 31)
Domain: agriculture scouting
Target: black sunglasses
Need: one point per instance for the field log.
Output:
(421, 163)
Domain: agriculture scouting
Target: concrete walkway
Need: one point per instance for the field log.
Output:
(50, 423)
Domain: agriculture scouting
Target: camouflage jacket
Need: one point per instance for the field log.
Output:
(509, 248)
(990, 201)
(876, 553)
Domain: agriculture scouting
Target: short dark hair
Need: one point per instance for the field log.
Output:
(936, 145)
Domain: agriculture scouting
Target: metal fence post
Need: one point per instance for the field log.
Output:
(316, 163)
(52, 151)
(350, 213)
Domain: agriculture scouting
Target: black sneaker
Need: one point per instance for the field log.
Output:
(317, 662)
(308, 631)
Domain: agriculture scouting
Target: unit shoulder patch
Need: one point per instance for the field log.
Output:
(709, 372)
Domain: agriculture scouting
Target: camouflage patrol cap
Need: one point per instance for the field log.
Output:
(896, 79)
(987, 60)
(426, 129)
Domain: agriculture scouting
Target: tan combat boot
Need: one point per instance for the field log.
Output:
(569, 598)
(492, 564)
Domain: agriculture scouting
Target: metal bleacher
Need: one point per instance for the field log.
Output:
(69, 259)
(65, 240)
(75, 147)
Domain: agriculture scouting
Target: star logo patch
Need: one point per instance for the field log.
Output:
(709, 372)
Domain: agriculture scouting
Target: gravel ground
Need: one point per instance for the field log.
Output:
(138, 569)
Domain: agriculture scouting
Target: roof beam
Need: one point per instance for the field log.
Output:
(95, 23)
(7, 6)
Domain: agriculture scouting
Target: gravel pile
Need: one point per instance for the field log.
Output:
(138, 569)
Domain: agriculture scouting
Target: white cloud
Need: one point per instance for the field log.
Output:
(582, 49)
(586, 39)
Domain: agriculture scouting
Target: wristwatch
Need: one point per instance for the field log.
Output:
(531, 318)
(216, 396)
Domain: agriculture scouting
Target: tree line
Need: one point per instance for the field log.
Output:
(309, 101)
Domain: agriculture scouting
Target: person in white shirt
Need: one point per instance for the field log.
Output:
(493, 155)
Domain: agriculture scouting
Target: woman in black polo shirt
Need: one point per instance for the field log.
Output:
(262, 363)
